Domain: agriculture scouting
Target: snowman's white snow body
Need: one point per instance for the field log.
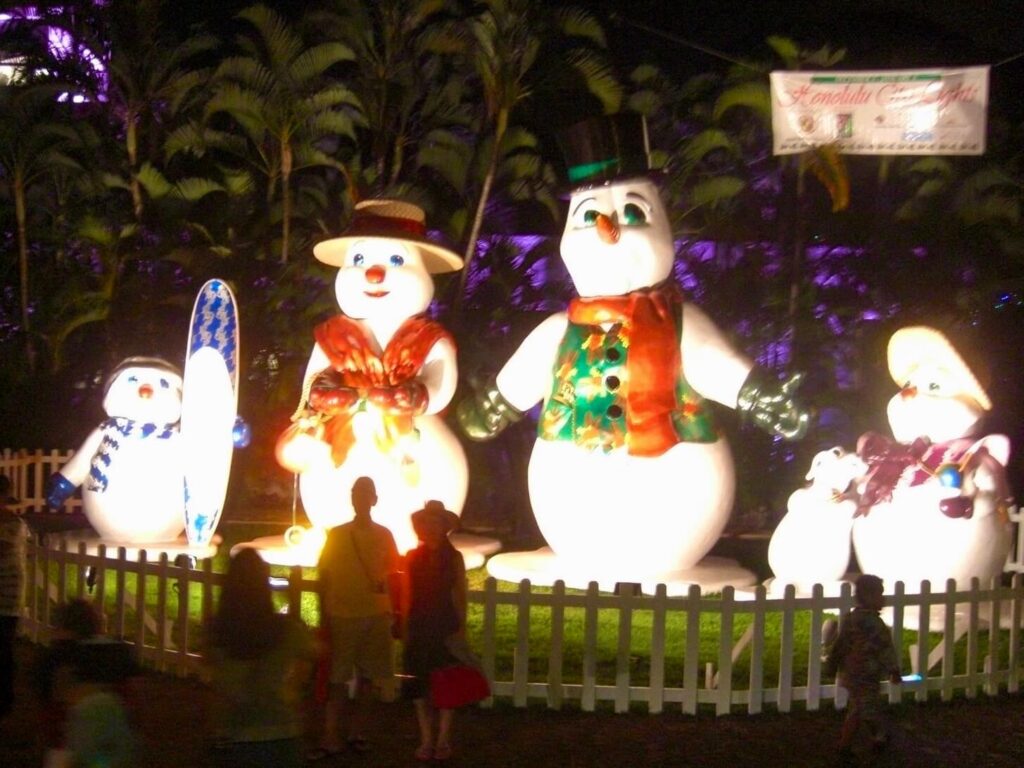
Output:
(811, 544)
(612, 512)
(130, 467)
(908, 538)
(382, 283)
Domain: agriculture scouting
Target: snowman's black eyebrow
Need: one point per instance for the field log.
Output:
(639, 197)
(584, 200)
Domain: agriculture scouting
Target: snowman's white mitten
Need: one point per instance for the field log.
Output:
(486, 412)
(772, 405)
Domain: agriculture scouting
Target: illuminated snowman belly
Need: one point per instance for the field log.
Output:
(135, 491)
(642, 515)
(909, 539)
(440, 472)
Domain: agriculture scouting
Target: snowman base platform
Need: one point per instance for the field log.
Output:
(275, 551)
(154, 549)
(543, 568)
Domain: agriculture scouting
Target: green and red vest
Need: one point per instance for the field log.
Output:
(624, 387)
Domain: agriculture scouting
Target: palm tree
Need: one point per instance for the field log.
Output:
(33, 141)
(505, 41)
(277, 93)
(403, 76)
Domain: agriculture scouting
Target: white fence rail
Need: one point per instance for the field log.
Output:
(554, 654)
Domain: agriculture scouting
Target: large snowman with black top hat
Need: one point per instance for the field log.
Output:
(933, 503)
(378, 375)
(131, 467)
(629, 478)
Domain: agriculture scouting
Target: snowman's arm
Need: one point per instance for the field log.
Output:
(710, 364)
(440, 374)
(62, 484)
(77, 467)
(524, 380)
(720, 373)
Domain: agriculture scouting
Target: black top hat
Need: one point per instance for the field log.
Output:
(606, 148)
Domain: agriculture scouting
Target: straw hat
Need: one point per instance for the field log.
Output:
(435, 510)
(910, 347)
(389, 220)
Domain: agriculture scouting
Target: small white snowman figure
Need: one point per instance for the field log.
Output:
(933, 504)
(378, 376)
(130, 467)
(629, 478)
(811, 544)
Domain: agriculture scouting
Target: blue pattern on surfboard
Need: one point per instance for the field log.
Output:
(216, 324)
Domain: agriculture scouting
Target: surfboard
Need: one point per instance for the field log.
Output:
(208, 407)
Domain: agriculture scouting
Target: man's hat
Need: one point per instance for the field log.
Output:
(913, 345)
(389, 220)
(606, 148)
(435, 510)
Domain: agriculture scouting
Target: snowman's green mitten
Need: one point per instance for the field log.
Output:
(486, 412)
(772, 405)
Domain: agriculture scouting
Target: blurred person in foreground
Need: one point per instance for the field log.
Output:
(259, 661)
(13, 538)
(85, 685)
(862, 654)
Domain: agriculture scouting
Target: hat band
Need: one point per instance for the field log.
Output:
(585, 171)
(370, 224)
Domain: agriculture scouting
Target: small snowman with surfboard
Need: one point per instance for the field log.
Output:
(159, 463)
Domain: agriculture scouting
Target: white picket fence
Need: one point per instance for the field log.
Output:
(556, 653)
(987, 659)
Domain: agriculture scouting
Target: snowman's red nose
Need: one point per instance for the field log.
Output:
(375, 274)
(908, 392)
(145, 391)
(607, 229)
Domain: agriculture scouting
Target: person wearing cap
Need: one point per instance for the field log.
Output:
(435, 615)
(355, 566)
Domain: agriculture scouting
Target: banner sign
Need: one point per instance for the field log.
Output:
(894, 112)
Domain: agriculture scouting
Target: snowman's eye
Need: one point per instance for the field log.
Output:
(165, 384)
(633, 215)
(933, 387)
(358, 260)
(396, 260)
(590, 217)
(133, 379)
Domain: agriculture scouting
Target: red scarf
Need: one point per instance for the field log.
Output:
(649, 318)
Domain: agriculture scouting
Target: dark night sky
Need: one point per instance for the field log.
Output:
(878, 34)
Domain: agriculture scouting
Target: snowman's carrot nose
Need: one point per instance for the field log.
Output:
(607, 229)
(375, 274)
(908, 392)
(145, 391)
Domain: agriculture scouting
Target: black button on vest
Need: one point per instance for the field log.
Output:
(612, 382)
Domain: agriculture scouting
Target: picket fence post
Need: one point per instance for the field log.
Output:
(659, 605)
(556, 694)
(755, 698)
(588, 697)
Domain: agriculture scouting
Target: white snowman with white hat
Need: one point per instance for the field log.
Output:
(933, 504)
(378, 376)
(629, 479)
